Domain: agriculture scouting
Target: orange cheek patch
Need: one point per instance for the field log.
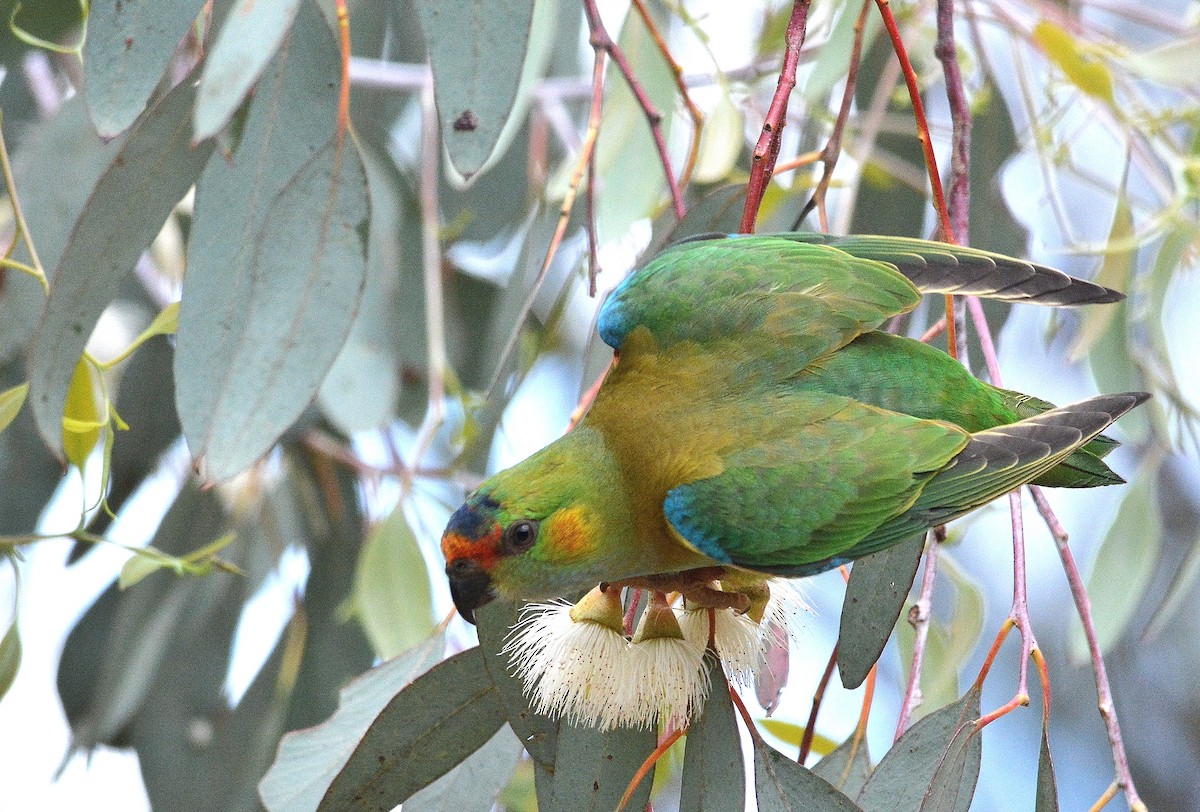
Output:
(570, 533)
(484, 550)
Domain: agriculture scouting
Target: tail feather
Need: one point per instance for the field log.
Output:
(943, 268)
(1000, 460)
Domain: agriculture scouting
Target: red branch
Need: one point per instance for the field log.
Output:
(767, 148)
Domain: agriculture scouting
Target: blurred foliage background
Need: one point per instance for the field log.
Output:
(346, 364)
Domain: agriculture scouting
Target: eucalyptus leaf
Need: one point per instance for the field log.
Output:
(933, 766)
(485, 57)
(712, 760)
(11, 401)
(248, 39)
(309, 759)
(875, 596)
(420, 735)
(782, 785)
(474, 785)
(626, 155)
(1046, 795)
(10, 657)
(391, 587)
(1124, 565)
(848, 767)
(594, 768)
(276, 261)
(154, 169)
(538, 733)
(127, 50)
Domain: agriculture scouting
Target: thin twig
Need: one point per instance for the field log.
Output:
(431, 257)
(767, 148)
(811, 728)
(1083, 605)
(600, 39)
(648, 765)
(694, 112)
(959, 203)
(833, 147)
(919, 616)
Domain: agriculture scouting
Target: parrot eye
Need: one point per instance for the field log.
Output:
(521, 535)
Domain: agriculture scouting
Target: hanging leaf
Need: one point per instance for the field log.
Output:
(84, 414)
(391, 587)
(248, 39)
(848, 767)
(593, 768)
(11, 401)
(934, 765)
(153, 170)
(309, 759)
(626, 155)
(1081, 65)
(276, 262)
(1115, 272)
(420, 735)
(474, 785)
(1046, 796)
(10, 657)
(712, 760)
(486, 58)
(782, 785)
(875, 595)
(1124, 565)
(127, 49)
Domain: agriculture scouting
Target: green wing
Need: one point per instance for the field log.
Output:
(859, 480)
(804, 495)
(758, 291)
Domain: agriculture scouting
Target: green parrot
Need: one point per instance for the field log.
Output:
(757, 422)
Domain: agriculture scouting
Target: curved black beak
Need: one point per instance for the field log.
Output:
(470, 587)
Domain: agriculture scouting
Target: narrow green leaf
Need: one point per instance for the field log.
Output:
(249, 38)
(712, 759)
(1046, 796)
(848, 767)
(11, 401)
(425, 731)
(594, 768)
(626, 156)
(153, 170)
(391, 587)
(875, 596)
(128, 48)
(1082, 67)
(782, 785)
(1115, 272)
(473, 785)
(1124, 565)
(276, 261)
(793, 734)
(309, 759)
(538, 733)
(1181, 588)
(1171, 64)
(934, 765)
(833, 60)
(139, 566)
(10, 657)
(721, 141)
(84, 414)
(485, 59)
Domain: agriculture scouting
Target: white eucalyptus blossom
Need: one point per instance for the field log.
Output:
(576, 663)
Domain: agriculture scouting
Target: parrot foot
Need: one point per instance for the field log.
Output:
(699, 587)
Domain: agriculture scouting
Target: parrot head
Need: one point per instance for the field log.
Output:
(535, 530)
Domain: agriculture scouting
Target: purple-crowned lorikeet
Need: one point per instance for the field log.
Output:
(758, 422)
